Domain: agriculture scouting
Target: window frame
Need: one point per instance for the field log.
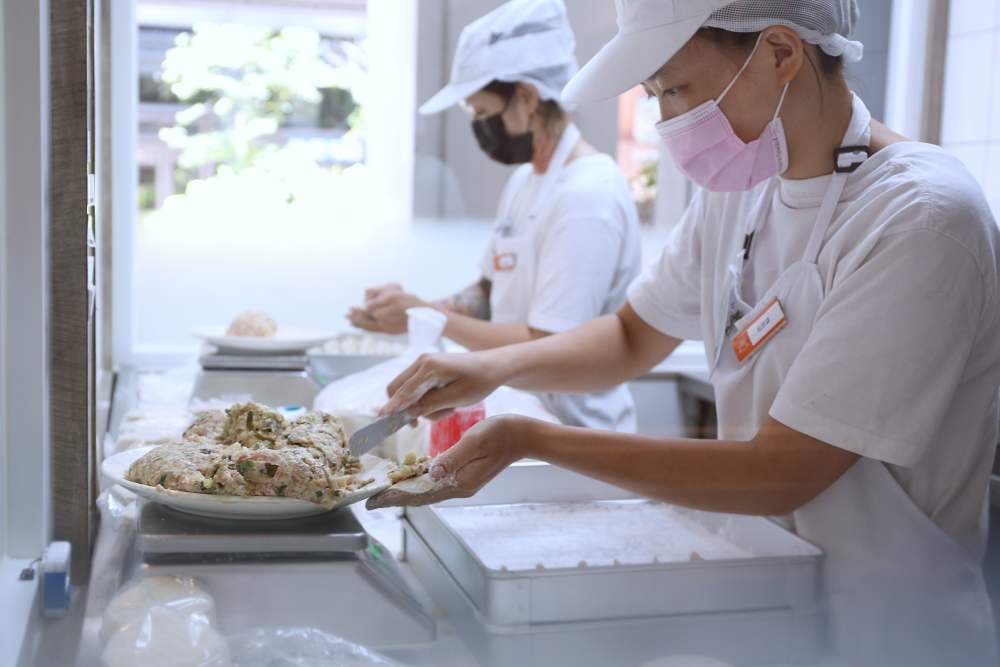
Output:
(25, 283)
(915, 71)
(24, 407)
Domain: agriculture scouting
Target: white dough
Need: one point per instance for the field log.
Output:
(166, 637)
(416, 485)
(254, 323)
(134, 602)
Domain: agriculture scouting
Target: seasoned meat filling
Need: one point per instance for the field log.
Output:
(249, 450)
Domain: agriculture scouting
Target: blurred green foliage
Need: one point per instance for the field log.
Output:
(242, 83)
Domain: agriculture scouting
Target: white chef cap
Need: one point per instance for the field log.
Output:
(521, 40)
(650, 32)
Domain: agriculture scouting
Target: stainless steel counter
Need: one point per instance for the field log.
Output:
(333, 597)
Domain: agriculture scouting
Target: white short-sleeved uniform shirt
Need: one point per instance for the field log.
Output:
(586, 252)
(903, 361)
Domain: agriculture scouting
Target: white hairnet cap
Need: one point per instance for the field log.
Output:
(521, 40)
(650, 32)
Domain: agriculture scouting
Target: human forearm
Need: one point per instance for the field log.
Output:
(594, 356)
(598, 355)
(776, 473)
(476, 334)
(473, 301)
(469, 323)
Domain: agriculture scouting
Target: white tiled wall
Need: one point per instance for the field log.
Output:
(970, 124)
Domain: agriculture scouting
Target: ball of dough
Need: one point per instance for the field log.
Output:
(167, 638)
(255, 323)
(133, 603)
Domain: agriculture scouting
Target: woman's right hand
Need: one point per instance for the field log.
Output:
(384, 310)
(435, 384)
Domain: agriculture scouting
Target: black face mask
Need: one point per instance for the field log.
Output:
(500, 144)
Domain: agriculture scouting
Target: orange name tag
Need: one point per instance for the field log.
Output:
(505, 261)
(759, 331)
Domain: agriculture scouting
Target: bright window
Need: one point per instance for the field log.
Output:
(280, 164)
(251, 164)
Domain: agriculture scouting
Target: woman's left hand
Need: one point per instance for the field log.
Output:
(482, 453)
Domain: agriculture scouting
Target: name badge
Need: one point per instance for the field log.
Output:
(759, 331)
(505, 261)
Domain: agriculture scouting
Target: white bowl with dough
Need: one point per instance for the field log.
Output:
(287, 340)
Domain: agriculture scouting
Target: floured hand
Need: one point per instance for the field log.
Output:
(484, 451)
(422, 490)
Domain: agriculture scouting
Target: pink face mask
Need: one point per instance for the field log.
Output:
(706, 149)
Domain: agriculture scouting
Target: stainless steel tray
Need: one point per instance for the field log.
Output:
(760, 637)
(782, 572)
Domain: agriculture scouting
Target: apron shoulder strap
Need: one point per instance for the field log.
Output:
(515, 184)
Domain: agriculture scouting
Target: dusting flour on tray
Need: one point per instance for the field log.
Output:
(596, 534)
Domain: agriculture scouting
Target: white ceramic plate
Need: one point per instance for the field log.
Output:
(235, 507)
(286, 340)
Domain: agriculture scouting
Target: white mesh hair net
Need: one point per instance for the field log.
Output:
(826, 23)
(522, 40)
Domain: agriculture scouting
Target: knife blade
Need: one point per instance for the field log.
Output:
(365, 439)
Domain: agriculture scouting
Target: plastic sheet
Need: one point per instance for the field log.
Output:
(301, 647)
(163, 622)
(364, 393)
(175, 594)
(357, 398)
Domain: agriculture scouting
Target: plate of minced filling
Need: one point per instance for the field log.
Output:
(248, 461)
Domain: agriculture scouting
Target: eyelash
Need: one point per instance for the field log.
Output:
(675, 90)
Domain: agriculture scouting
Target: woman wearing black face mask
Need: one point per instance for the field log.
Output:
(566, 242)
(517, 147)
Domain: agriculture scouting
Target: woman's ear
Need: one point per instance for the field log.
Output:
(786, 50)
(528, 96)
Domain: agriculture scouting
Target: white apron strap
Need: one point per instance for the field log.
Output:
(567, 142)
(852, 153)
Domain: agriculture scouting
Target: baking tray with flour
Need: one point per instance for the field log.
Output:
(548, 562)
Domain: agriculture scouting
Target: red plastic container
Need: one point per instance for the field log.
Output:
(446, 432)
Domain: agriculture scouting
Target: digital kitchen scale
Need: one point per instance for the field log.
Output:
(166, 534)
(322, 571)
(272, 379)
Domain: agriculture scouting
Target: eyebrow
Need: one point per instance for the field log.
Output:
(664, 71)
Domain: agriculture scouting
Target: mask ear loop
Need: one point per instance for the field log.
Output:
(506, 106)
(746, 63)
(781, 102)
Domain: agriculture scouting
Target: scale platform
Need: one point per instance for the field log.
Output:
(166, 533)
(212, 359)
(272, 379)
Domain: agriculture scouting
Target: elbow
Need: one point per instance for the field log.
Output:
(787, 501)
(778, 507)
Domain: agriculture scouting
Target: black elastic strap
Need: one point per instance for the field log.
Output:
(856, 160)
(747, 244)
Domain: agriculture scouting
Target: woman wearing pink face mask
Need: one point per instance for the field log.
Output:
(844, 281)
